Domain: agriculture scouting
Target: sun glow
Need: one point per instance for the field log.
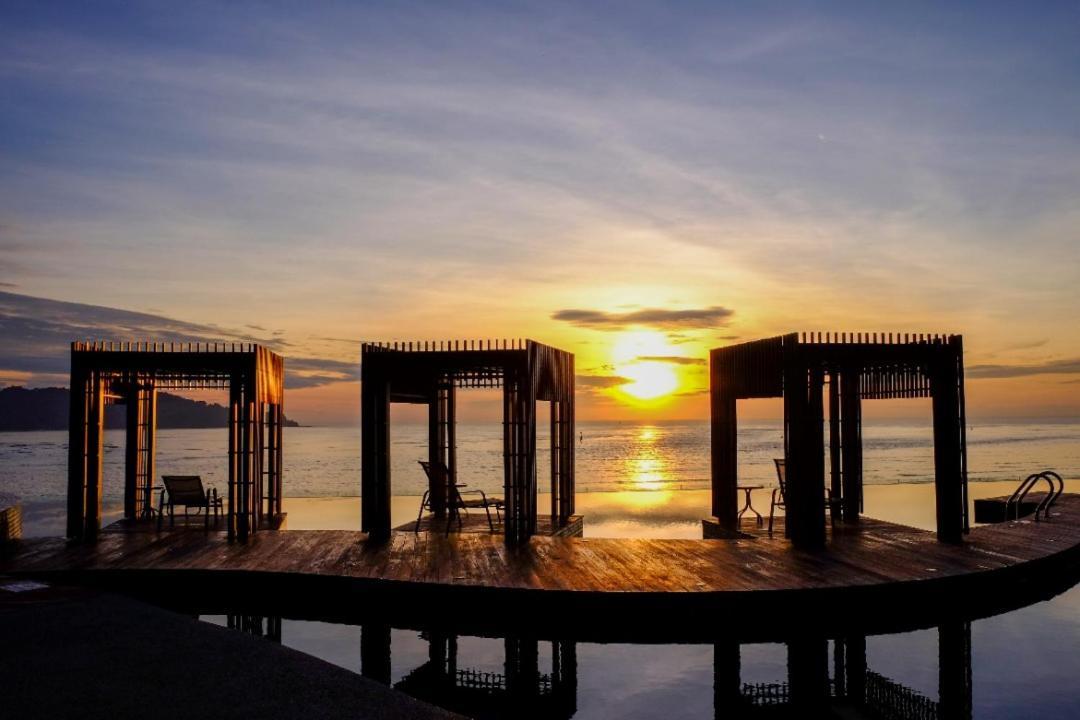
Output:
(648, 379)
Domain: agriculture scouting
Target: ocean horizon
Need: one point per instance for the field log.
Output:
(610, 456)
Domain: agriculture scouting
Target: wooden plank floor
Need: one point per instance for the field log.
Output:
(477, 522)
(872, 555)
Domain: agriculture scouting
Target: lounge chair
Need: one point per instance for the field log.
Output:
(781, 476)
(438, 476)
(187, 491)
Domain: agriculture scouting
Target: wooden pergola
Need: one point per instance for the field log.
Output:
(430, 373)
(855, 367)
(131, 374)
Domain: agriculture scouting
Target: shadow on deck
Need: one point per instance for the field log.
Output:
(477, 523)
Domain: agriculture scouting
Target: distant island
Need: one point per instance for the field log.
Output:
(24, 409)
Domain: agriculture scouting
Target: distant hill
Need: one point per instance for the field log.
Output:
(47, 409)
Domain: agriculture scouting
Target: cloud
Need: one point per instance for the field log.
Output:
(1027, 345)
(38, 332)
(314, 372)
(673, 359)
(601, 382)
(1068, 366)
(698, 318)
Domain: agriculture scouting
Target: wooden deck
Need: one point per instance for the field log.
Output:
(880, 575)
(477, 522)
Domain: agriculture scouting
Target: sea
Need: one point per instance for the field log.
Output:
(610, 456)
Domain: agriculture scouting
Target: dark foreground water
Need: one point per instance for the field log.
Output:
(1021, 664)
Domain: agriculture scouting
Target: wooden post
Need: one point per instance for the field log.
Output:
(724, 439)
(835, 466)
(556, 439)
(451, 431)
(77, 451)
(437, 490)
(149, 447)
(235, 420)
(948, 461)
(272, 439)
(851, 444)
(567, 489)
(279, 463)
(132, 448)
(805, 458)
(375, 455)
(95, 431)
(519, 442)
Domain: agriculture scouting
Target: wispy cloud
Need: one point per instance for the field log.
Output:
(1027, 344)
(663, 318)
(1068, 366)
(37, 334)
(673, 359)
(601, 382)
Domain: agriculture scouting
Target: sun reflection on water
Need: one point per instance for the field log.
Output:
(646, 467)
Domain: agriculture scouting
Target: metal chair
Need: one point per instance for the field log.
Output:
(439, 477)
(188, 492)
(832, 503)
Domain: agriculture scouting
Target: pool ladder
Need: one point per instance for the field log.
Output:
(1015, 501)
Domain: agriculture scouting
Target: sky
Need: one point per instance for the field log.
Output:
(634, 182)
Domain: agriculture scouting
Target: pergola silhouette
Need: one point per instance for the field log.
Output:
(856, 367)
(131, 374)
(430, 373)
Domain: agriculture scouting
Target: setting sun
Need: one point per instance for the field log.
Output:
(650, 380)
(643, 357)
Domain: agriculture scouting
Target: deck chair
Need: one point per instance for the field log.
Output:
(187, 491)
(779, 495)
(439, 476)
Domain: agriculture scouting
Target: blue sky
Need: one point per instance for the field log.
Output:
(358, 170)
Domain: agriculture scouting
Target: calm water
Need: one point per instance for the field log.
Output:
(325, 462)
(1021, 663)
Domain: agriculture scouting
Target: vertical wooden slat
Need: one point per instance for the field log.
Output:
(95, 432)
(835, 465)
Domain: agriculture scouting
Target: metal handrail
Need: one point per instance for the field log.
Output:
(1051, 497)
(1016, 500)
(1018, 495)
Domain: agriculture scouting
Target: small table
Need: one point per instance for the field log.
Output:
(747, 489)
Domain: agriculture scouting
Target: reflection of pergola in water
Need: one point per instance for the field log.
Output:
(855, 367)
(521, 690)
(810, 688)
(131, 374)
(430, 374)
